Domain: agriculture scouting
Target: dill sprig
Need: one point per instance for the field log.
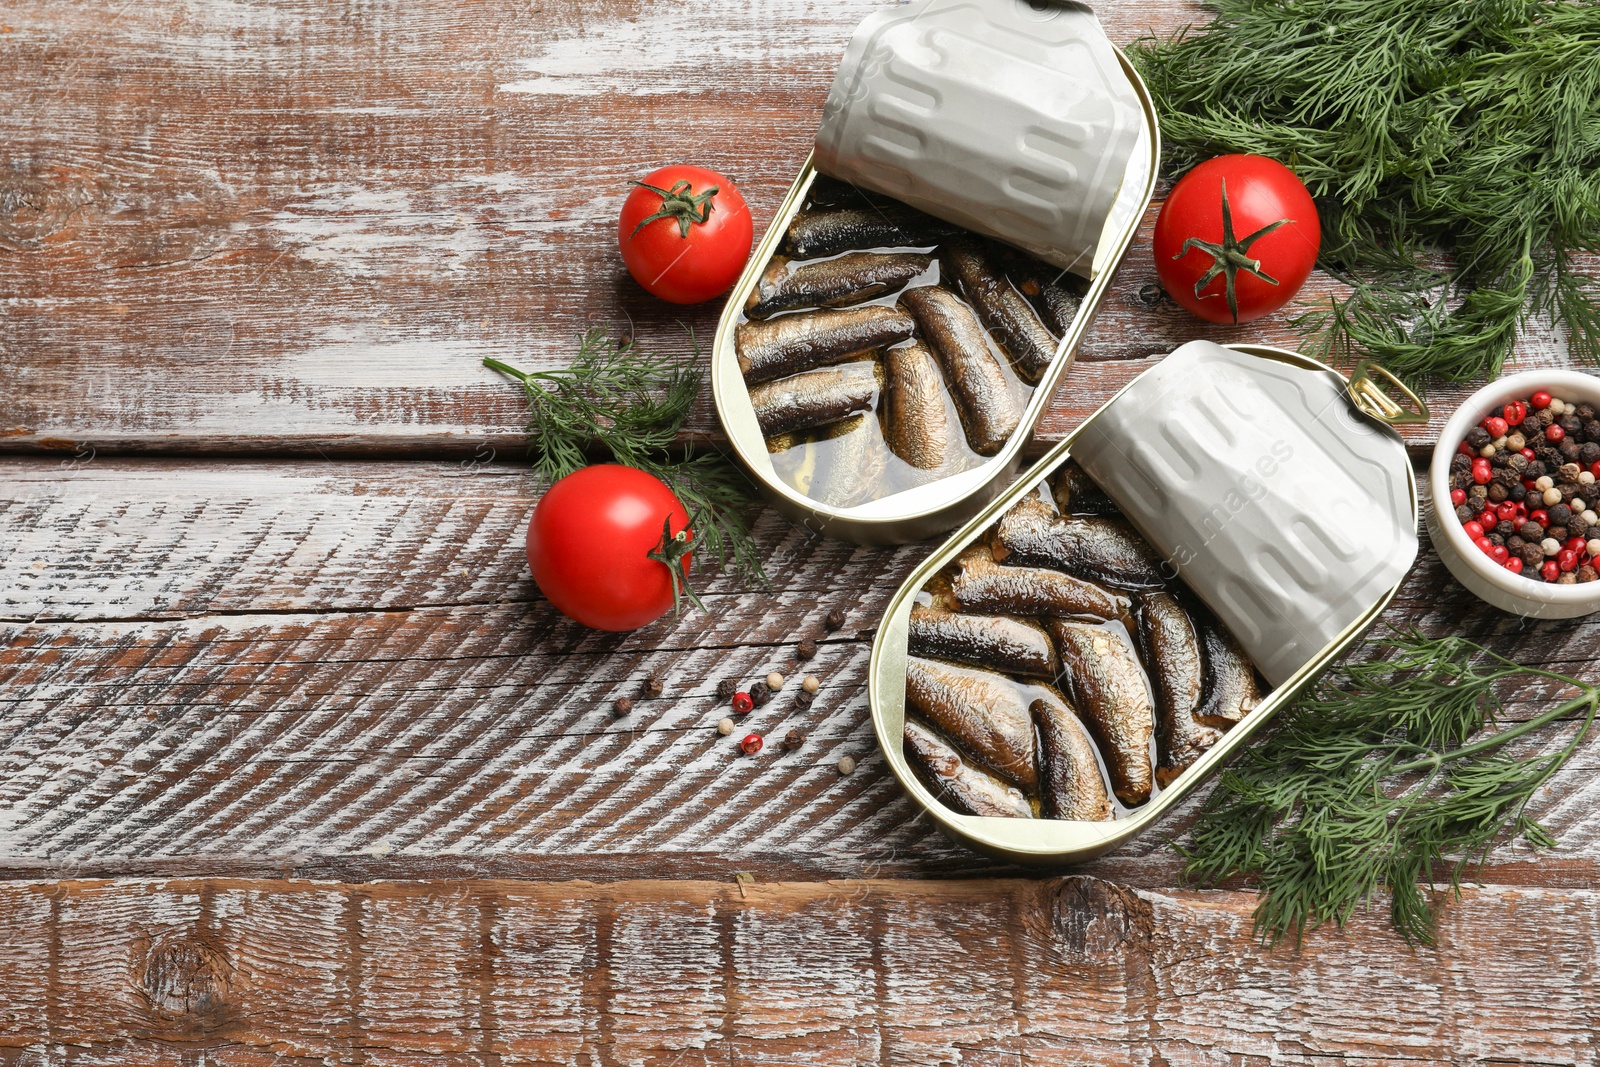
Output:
(624, 402)
(1453, 148)
(1382, 777)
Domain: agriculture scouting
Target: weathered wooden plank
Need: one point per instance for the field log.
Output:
(343, 669)
(904, 972)
(301, 228)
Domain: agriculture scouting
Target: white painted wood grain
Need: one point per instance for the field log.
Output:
(229, 227)
(308, 663)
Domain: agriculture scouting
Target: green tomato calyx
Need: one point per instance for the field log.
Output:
(1229, 256)
(672, 552)
(678, 203)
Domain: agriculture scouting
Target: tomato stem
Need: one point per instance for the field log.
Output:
(677, 203)
(1230, 256)
(672, 552)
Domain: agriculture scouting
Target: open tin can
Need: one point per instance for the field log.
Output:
(1228, 462)
(1014, 121)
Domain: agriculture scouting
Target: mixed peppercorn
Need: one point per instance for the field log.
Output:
(1524, 486)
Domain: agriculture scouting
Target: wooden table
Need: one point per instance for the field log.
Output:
(297, 767)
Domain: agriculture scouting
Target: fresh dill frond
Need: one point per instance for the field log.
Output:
(1388, 775)
(1453, 149)
(620, 401)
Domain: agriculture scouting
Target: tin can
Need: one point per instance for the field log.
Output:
(949, 191)
(1349, 427)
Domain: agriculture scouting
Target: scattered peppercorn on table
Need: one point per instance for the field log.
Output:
(297, 766)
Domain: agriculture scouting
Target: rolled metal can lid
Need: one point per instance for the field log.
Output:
(1011, 118)
(1283, 505)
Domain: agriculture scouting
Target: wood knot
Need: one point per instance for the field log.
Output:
(1095, 919)
(181, 977)
(32, 207)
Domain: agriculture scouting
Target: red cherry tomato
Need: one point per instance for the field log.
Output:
(590, 543)
(1236, 238)
(685, 234)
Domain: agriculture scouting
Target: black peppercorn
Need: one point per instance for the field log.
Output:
(1540, 419)
(622, 706)
(806, 649)
(1558, 530)
(1497, 492)
(1477, 494)
(1477, 437)
(759, 694)
(1571, 424)
(1569, 450)
(1497, 539)
(1568, 492)
(651, 687)
(1516, 493)
(726, 688)
(1505, 477)
(1550, 457)
(1532, 555)
(1587, 573)
(1461, 480)
(1591, 429)
(835, 619)
(1514, 544)
(1516, 461)
(1560, 515)
(804, 697)
(1585, 412)
(1532, 532)
(1459, 462)
(793, 740)
(1535, 470)
(1588, 454)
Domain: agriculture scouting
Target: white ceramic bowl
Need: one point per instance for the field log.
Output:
(1480, 574)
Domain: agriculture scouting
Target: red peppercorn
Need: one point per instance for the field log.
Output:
(1458, 497)
(1567, 559)
(1550, 571)
(1540, 516)
(1554, 433)
(1496, 426)
(751, 744)
(1483, 474)
(1594, 469)
(1484, 545)
(1466, 449)
(1540, 400)
(1529, 454)
(1514, 565)
(742, 702)
(1514, 413)
(1474, 530)
(1506, 511)
(1576, 544)
(1499, 553)
(1488, 520)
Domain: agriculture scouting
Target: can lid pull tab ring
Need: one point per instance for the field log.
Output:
(1369, 396)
